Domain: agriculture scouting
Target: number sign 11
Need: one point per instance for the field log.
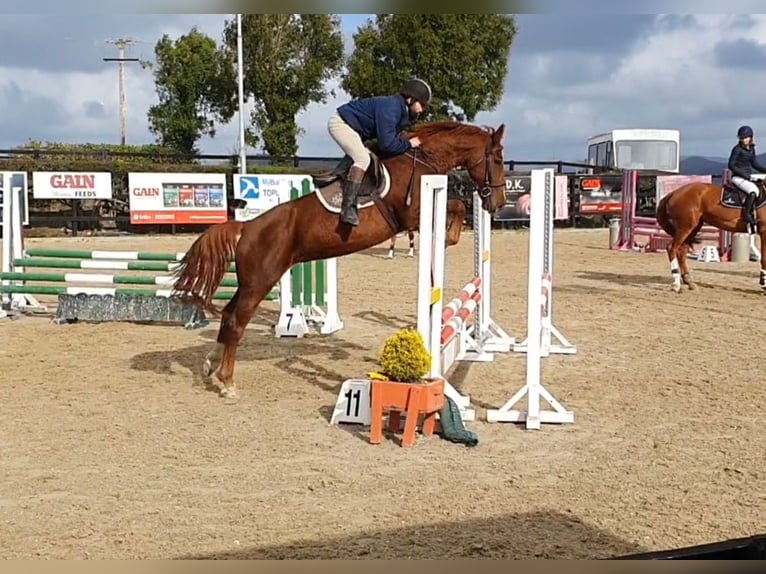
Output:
(353, 403)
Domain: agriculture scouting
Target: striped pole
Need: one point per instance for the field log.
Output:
(121, 255)
(101, 278)
(455, 323)
(453, 306)
(102, 264)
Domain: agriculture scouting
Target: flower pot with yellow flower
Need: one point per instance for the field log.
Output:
(401, 386)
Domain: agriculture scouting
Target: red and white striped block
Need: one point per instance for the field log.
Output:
(453, 325)
(452, 307)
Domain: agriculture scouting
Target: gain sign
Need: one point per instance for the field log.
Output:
(71, 185)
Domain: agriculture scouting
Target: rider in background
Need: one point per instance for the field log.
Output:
(381, 118)
(742, 162)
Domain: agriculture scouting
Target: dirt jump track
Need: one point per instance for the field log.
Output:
(112, 448)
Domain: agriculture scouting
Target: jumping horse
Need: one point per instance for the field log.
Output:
(308, 228)
(683, 212)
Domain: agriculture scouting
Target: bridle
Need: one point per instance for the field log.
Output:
(486, 190)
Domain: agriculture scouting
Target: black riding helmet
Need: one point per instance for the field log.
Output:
(417, 89)
(745, 132)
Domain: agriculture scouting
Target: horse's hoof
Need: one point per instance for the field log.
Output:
(228, 393)
(207, 368)
(217, 383)
(692, 286)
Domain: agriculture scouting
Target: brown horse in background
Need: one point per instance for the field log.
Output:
(683, 212)
(455, 216)
(305, 229)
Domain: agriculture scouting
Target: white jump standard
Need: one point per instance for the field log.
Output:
(445, 330)
(540, 232)
(544, 244)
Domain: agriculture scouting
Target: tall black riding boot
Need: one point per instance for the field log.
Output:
(750, 212)
(348, 210)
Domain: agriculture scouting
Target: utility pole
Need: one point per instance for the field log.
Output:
(121, 44)
(241, 90)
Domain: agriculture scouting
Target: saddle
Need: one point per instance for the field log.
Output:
(733, 197)
(375, 184)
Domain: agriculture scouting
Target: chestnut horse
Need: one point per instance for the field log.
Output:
(683, 212)
(305, 229)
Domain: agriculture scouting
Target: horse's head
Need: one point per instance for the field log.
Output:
(487, 170)
(450, 144)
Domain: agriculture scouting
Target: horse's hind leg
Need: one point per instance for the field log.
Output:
(213, 357)
(232, 329)
(686, 274)
(677, 251)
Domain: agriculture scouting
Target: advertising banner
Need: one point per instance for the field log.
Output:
(599, 194)
(261, 192)
(517, 198)
(516, 206)
(71, 185)
(183, 198)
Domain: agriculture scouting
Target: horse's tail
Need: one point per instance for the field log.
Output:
(665, 220)
(205, 263)
(663, 217)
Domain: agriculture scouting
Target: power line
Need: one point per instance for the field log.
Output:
(121, 44)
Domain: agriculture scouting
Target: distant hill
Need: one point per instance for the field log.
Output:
(699, 165)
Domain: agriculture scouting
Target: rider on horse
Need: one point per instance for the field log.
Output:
(381, 118)
(742, 161)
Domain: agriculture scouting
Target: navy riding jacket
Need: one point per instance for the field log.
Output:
(742, 161)
(381, 118)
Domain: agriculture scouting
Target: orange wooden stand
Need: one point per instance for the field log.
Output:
(413, 399)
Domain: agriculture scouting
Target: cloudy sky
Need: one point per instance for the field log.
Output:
(571, 76)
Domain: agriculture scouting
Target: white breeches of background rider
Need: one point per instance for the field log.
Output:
(745, 184)
(349, 141)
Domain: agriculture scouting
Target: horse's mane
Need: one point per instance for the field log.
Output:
(426, 130)
(434, 149)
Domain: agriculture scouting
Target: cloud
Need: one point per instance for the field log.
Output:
(666, 74)
(570, 76)
(742, 53)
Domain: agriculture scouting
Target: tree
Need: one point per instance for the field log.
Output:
(287, 59)
(196, 86)
(464, 58)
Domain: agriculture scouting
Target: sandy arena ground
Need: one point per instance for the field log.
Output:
(112, 448)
